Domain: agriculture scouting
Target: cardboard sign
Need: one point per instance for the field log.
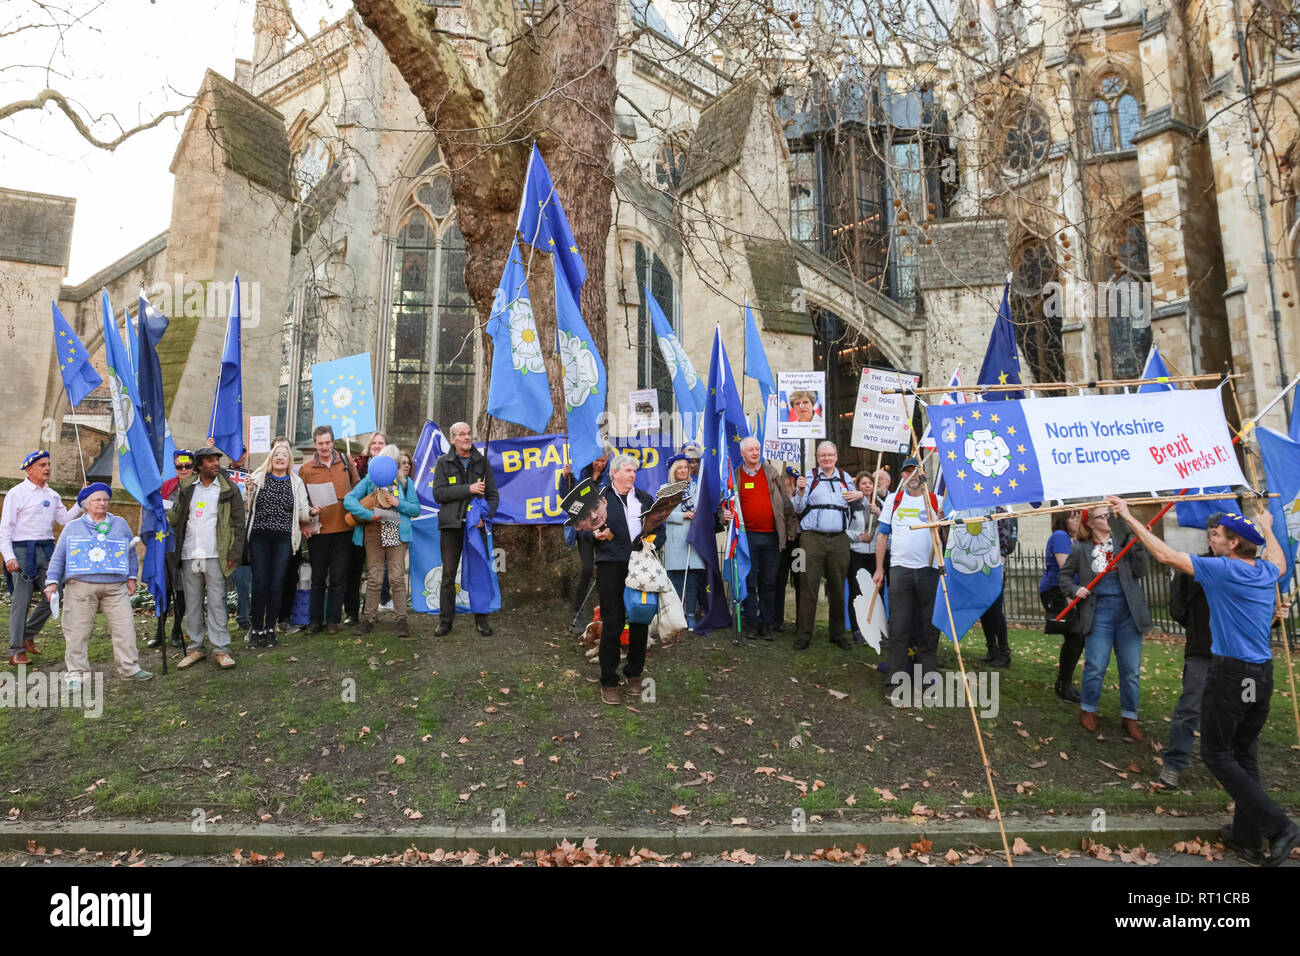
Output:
(881, 422)
(643, 403)
(801, 410)
(259, 433)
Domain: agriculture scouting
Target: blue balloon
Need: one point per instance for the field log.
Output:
(383, 471)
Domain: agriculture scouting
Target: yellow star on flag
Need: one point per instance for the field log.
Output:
(952, 455)
(961, 473)
(960, 420)
(975, 414)
(1012, 483)
(993, 419)
(997, 491)
(1002, 378)
(1021, 449)
(1022, 468)
(1011, 429)
(978, 487)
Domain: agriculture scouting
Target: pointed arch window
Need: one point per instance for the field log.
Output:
(428, 359)
(1115, 115)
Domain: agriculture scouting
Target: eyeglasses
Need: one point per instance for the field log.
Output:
(184, 467)
(1101, 517)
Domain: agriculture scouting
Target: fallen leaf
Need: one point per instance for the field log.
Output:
(1019, 847)
(740, 856)
(837, 694)
(884, 794)
(518, 762)
(765, 770)
(318, 854)
(679, 811)
(850, 800)
(740, 821)
(399, 760)
(922, 846)
(952, 856)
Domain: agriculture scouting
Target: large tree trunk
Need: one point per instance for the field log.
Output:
(557, 87)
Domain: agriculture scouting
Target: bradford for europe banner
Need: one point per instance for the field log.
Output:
(999, 453)
(529, 470)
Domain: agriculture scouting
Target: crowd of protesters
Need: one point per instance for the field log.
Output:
(821, 530)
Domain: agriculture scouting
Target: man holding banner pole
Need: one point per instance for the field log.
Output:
(1240, 588)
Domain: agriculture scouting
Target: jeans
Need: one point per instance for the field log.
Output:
(1187, 715)
(330, 554)
(688, 584)
(611, 577)
(761, 583)
(22, 626)
(204, 580)
(911, 607)
(270, 552)
(1112, 628)
(242, 577)
(1233, 710)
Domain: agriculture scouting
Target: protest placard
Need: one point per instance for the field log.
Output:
(643, 403)
(259, 433)
(802, 412)
(881, 422)
(774, 448)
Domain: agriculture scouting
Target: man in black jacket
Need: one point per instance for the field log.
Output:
(458, 477)
(1187, 606)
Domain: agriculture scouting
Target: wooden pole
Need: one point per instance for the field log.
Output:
(1060, 386)
(1085, 505)
(961, 665)
(1277, 589)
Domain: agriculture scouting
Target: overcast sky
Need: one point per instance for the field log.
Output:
(132, 58)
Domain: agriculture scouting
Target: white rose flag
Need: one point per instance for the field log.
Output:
(518, 390)
(584, 377)
(973, 567)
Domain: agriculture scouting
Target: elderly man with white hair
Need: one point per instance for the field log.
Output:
(625, 506)
(769, 520)
(824, 500)
(95, 561)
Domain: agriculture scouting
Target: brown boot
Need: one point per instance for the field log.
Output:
(634, 686)
(1089, 721)
(610, 696)
(30, 646)
(1131, 728)
(19, 658)
(402, 628)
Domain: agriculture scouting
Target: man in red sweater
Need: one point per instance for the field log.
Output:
(769, 521)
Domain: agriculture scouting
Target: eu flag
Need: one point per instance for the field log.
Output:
(1155, 368)
(344, 398)
(153, 406)
(477, 575)
(1282, 469)
(1001, 358)
(431, 445)
(137, 467)
(724, 427)
(543, 224)
(227, 425)
(756, 366)
(584, 376)
(736, 565)
(518, 391)
(79, 376)
(686, 384)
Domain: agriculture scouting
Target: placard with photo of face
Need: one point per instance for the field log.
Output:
(801, 397)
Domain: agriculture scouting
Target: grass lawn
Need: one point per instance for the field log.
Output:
(382, 730)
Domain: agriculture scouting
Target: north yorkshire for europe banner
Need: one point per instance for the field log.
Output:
(999, 453)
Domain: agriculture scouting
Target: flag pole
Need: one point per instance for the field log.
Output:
(77, 431)
(956, 643)
(1277, 588)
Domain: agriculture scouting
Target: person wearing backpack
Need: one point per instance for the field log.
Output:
(824, 500)
(913, 575)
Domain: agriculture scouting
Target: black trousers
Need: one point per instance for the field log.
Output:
(784, 576)
(1234, 707)
(586, 545)
(610, 579)
(352, 596)
(1071, 644)
(911, 606)
(329, 554)
(994, 622)
(452, 543)
(858, 561)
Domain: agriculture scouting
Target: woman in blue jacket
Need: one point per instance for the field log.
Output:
(385, 532)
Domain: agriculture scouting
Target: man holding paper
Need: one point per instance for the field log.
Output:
(329, 477)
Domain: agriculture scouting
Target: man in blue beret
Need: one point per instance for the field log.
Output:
(1241, 589)
(31, 510)
(95, 561)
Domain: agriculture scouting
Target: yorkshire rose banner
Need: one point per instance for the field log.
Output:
(1083, 447)
(528, 472)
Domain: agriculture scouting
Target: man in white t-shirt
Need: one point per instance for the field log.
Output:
(913, 575)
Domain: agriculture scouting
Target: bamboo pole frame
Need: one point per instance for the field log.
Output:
(1085, 505)
(1064, 386)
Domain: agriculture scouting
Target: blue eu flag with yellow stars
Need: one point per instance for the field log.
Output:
(543, 224)
(345, 399)
(1001, 358)
(986, 454)
(79, 376)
